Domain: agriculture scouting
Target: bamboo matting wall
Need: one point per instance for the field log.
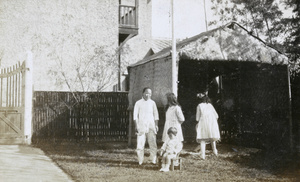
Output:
(157, 75)
(95, 116)
(252, 101)
(296, 111)
(253, 104)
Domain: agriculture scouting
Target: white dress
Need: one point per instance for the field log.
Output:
(174, 118)
(207, 128)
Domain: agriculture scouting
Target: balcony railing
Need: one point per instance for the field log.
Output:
(127, 16)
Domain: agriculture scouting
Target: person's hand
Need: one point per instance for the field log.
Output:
(156, 128)
(136, 130)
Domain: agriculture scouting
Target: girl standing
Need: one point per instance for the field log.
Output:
(207, 127)
(174, 117)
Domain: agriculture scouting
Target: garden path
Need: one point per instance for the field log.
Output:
(28, 164)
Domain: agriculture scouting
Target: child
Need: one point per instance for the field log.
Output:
(207, 127)
(174, 117)
(170, 149)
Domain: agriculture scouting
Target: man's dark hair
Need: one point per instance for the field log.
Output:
(146, 89)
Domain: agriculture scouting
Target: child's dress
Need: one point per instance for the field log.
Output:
(208, 128)
(173, 146)
(174, 118)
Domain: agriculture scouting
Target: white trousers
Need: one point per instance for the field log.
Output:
(141, 140)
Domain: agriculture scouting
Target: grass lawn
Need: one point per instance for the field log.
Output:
(114, 161)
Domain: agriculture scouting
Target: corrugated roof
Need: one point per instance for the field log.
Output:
(159, 44)
(229, 42)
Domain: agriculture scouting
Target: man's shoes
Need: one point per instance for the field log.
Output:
(164, 169)
(154, 161)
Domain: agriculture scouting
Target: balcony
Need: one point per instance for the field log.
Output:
(128, 21)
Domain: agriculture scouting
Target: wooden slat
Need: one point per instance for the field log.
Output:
(96, 116)
(19, 86)
(6, 101)
(10, 124)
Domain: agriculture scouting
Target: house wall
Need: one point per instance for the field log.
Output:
(137, 47)
(60, 34)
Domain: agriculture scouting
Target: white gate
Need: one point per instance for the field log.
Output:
(16, 103)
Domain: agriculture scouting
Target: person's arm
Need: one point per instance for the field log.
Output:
(198, 113)
(163, 148)
(179, 115)
(135, 116)
(156, 117)
(215, 112)
(178, 147)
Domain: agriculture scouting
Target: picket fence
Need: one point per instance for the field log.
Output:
(93, 116)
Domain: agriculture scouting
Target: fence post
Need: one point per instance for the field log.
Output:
(130, 129)
(28, 99)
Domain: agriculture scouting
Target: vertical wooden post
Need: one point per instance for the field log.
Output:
(290, 112)
(130, 129)
(28, 99)
(137, 13)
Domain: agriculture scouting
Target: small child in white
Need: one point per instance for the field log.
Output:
(170, 149)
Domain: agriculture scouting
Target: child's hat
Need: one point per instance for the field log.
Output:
(172, 130)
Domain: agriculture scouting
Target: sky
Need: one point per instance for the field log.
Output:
(189, 18)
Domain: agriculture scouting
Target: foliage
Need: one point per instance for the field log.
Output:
(80, 59)
(292, 42)
(264, 18)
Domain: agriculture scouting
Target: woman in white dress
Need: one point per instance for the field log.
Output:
(174, 117)
(207, 127)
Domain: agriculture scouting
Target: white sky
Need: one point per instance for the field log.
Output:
(189, 18)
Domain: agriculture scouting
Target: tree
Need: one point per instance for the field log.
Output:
(258, 16)
(225, 10)
(292, 42)
(264, 19)
(81, 57)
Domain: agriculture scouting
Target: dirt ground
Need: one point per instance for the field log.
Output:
(114, 161)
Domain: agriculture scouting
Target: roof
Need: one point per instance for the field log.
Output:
(159, 44)
(230, 42)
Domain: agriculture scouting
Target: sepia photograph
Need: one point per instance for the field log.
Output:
(149, 90)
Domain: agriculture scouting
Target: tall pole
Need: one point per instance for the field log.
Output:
(205, 15)
(28, 99)
(174, 71)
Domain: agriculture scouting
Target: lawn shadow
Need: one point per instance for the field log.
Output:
(281, 163)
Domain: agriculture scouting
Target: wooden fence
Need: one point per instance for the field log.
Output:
(80, 116)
